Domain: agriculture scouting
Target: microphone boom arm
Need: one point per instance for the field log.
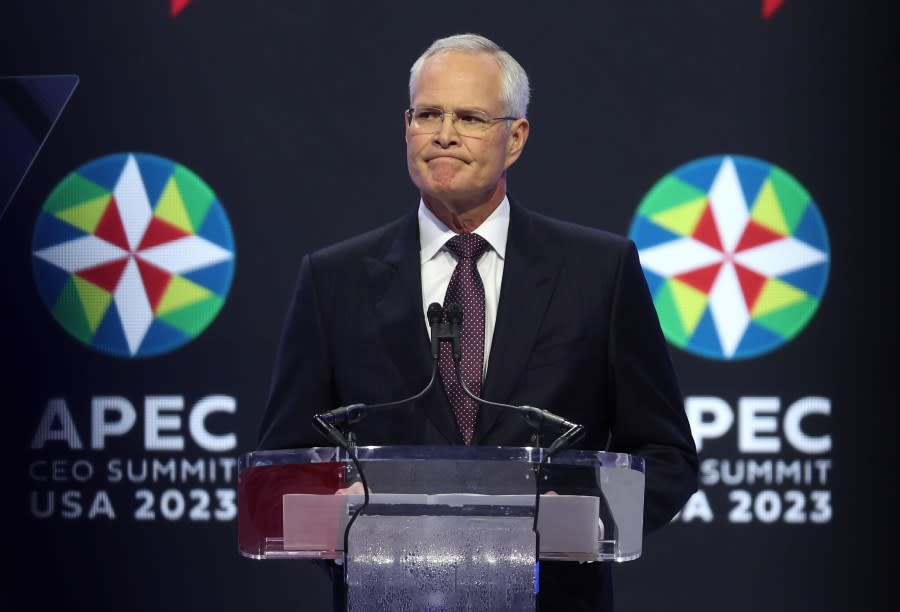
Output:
(569, 433)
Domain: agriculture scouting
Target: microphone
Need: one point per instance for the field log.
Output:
(434, 320)
(538, 419)
(351, 414)
(569, 433)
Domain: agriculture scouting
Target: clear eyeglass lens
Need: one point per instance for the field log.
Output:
(465, 121)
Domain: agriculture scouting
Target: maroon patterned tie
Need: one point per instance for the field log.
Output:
(466, 289)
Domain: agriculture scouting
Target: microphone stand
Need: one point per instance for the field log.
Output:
(346, 442)
(345, 416)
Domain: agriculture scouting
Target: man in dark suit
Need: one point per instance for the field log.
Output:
(567, 323)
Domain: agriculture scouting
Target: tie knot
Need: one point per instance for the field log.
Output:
(469, 246)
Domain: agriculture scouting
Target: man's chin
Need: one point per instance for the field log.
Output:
(444, 175)
(442, 185)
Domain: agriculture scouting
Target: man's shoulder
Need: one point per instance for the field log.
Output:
(574, 235)
(373, 243)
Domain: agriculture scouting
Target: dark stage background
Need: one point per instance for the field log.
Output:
(291, 113)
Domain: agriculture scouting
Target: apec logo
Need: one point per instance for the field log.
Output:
(736, 255)
(133, 254)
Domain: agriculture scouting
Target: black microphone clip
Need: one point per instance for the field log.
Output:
(331, 432)
(344, 414)
(539, 419)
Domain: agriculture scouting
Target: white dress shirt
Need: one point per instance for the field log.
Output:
(438, 263)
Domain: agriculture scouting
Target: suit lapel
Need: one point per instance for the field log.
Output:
(529, 275)
(396, 289)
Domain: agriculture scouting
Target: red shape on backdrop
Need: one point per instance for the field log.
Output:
(156, 281)
(110, 227)
(701, 278)
(105, 275)
(160, 232)
(755, 235)
(706, 231)
(769, 7)
(751, 284)
(176, 6)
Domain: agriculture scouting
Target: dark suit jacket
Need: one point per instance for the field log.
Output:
(576, 334)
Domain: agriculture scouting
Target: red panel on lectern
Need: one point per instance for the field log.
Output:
(259, 496)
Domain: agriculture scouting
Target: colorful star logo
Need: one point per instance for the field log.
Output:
(736, 255)
(133, 254)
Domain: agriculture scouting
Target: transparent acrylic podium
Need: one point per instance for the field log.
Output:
(446, 527)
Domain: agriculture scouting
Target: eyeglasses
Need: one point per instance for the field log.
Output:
(428, 119)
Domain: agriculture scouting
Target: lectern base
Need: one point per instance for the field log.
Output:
(440, 562)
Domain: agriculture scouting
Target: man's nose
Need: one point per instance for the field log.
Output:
(447, 135)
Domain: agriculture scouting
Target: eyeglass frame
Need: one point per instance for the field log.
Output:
(454, 118)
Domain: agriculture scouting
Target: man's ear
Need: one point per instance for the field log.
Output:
(515, 142)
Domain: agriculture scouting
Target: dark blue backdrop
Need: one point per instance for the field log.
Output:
(291, 112)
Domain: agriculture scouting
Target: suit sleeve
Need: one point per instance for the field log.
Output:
(650, 420)
(302, 380)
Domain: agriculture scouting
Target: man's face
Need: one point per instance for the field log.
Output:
(457, 171)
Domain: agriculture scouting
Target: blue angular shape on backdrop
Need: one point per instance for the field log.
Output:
(50, 231)
(105, 171)
(161, 338)
(216, 278)
(706, 339)
(51, 92)
(700, 173)
(757, 340)
(20, 147)
(29, 109)
(216, 228)
(110, 336)
(811, 229)
(156, 172)
(49, 279)
(811, 279)
(645, 233)
(752, 174)
(654, 281)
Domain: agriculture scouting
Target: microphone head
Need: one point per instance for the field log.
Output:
(454, 313)
(434, 313)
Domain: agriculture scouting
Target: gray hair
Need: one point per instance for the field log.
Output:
(514, 92)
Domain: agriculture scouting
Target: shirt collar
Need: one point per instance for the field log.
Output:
(433, 234)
